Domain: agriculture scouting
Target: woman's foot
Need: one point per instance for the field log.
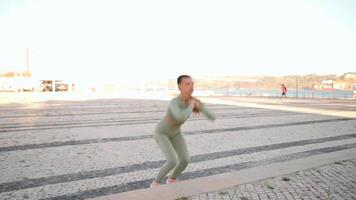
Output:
(171, 180)
(154, 184)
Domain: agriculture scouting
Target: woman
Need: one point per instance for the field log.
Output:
(168, 134)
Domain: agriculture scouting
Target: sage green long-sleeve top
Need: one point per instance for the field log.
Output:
(180, 112)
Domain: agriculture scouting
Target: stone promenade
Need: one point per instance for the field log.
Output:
(96, 148)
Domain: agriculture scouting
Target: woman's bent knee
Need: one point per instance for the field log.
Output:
(184, 162)
(171, 164)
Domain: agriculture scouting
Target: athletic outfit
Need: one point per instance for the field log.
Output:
(170, 139)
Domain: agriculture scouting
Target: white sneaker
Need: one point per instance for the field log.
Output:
(171, 180)
(154, 184)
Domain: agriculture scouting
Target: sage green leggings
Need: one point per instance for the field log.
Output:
(172, 143)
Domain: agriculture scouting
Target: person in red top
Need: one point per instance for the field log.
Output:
(284, 91)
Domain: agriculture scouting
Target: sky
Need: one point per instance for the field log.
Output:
(120, 40)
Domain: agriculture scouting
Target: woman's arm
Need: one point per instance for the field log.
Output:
(180, 115)
(201, 107)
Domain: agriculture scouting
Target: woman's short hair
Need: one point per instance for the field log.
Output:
(179, 79)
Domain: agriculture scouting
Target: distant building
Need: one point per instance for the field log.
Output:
(350, 76)
(338, 85)
(17, 82)
(16, 74)
(345, 84)
(325, 84)
(25, 82)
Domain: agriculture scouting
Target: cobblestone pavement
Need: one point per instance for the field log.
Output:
(334, 181)
(84, 149)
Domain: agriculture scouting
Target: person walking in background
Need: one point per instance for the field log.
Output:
(284, 91)
(168, 134)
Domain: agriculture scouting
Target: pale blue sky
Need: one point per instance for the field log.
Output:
(166, 38)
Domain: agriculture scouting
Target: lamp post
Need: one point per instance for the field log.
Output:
(296, 86)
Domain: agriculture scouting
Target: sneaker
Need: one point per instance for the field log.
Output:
(171, 180)
(154, 184)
